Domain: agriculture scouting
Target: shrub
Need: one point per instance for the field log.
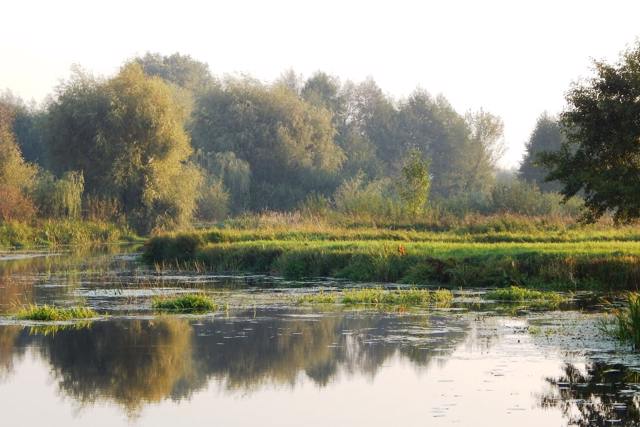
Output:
(59, 198)
(14, 204)
(213, 204)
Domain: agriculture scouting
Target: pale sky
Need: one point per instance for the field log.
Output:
(514, 58)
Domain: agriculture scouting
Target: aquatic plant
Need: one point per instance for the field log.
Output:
(518, 294)
(48, 313)
(401, 297)
(321, 297)
(627, 320)
(190, 303)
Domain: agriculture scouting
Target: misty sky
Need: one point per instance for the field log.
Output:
(513, 58)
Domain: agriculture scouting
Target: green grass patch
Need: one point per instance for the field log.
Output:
(518, 294)
(599, 259)
(48, 313)
(191, 303)
(403, 297)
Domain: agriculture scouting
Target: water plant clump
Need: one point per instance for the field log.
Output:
(627, 321)
(321, 297)
(518, 294)
(403, 297)
(48, 313)
(190, 303)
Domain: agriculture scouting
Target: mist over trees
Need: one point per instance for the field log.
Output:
(165, 142)
(547, 137)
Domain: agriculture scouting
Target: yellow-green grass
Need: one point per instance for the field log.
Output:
(54, 233)
(583, 263)
(48, 313)
(518, 294)
(190, 303)
(379, 296)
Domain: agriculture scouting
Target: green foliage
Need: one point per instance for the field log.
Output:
(414, 185)
(59, 198)
(600, 158)
(181, 70)
(126, 136)
(191, 303)
(286, 142)
(47, 313)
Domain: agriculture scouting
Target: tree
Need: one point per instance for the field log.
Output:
(14, 171)
(415, 182)
(16, 176)
(601, 156)
(126, 136)
(482, 151)
(181, 70)
(287, 143)
(547, 136)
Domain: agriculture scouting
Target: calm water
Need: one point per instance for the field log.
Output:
(266, 361)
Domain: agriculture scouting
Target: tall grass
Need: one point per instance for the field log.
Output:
(53, 233)
(492, 252)
(627, 327)
(191, 303)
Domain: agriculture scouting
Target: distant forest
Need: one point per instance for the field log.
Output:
(165, 142)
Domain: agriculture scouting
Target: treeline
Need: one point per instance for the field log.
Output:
(164, 141)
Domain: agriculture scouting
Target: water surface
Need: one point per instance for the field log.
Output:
(267, 360)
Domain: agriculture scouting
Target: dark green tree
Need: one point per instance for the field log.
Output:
(601, 157)
(126, 136)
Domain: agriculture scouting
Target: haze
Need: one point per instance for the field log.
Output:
(514, 59)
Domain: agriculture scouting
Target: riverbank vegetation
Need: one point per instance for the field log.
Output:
(481, 253)
(49, 233)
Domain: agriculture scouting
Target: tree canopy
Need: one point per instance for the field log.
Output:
(600, 158)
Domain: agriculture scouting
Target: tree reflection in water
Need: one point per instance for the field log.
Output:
(135, 362)
(605, 395)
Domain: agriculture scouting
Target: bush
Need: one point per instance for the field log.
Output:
(59, 198)
(213, 204)
(14, 204)
(373, 199)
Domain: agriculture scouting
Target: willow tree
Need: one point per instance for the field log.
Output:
(126, 136)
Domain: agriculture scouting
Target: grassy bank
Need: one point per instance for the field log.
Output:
(569, 258)
(53, 233)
